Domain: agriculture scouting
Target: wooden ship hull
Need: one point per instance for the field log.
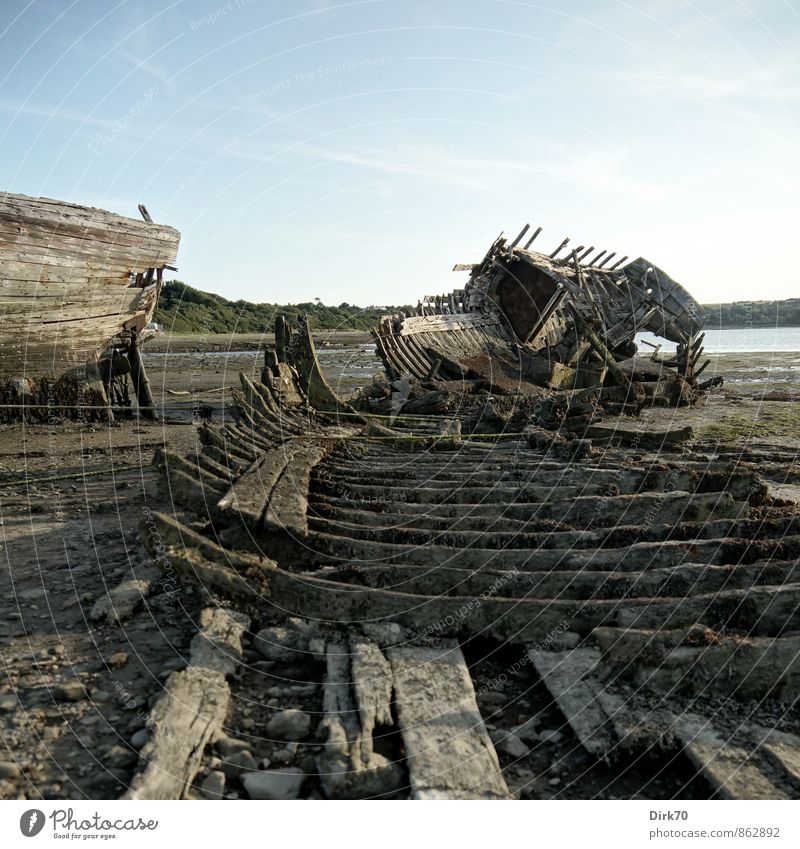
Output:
(73, 280)
(644, 600)
(560, 320)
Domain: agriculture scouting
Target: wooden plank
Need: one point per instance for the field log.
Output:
(570, 678)
(353, 698)
(448, 749)
(373, 687)
(287, 506)
(783, 752)
(732, 771)
(192, 710)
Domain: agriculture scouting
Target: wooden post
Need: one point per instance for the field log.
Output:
(559, 248)
(532, 238)
(281, 338)
(597, 343)
(141, 385)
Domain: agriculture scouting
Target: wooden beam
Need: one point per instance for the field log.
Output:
(532, 238)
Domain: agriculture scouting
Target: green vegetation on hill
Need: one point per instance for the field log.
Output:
(183, 309)
(754, 314)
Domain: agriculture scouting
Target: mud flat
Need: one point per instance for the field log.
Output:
(198, 342)
(91, 627)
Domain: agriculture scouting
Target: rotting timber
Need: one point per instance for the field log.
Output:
(78, 287)
(527, 323)
(653, 592)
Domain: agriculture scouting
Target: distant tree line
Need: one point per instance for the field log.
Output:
(754, 314)
(183, 309)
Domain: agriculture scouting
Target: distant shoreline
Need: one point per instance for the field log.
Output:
(191, 343)
(184, 343)
(750, 327)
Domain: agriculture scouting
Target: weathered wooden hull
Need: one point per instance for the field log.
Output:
(524, 314)
(72, 278)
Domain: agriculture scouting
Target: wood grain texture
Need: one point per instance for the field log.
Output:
(65, 274)
(192, 710)
(448, 749)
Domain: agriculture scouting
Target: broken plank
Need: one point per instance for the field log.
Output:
(732, 771)
(570, 678)
(192, 710)
(448, 749)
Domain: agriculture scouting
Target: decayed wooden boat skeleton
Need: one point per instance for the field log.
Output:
(527, 321)
(652, 592)
(78, 287)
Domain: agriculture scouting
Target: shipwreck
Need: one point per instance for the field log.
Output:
(387, 550)
(527, 322)
(78, 288)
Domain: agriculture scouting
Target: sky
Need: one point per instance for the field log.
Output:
(355, 151)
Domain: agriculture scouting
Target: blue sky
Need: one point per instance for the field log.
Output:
(356, 151)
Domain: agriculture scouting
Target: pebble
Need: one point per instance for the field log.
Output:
(238, 763)
(118, 659)
(554, 782)
(566, 640)
(230, 745)
(136, 723)
(140, 737)
(70, 691)
(289, 725)
(526, 731)
(8, 703)
(274, 784)
(281, 644)
(9, 770)
(281, 756)
(119, 756)
(213, 785)
(101, 695)
(508, 744)
(551, 735)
